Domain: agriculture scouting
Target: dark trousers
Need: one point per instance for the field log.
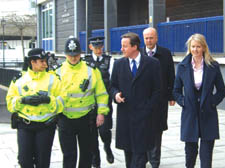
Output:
(205, 152)
(71, 131)
(154, 153)
(34, 146)
(106, 136)
(135, 160)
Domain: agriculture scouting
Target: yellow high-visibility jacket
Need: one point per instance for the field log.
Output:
(77, 102)
(29, 84)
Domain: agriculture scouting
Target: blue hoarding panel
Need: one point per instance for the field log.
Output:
(82, 37)
(116, 33)
(174, 35)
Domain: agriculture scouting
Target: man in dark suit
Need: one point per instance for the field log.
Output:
(136, 89)
(164, 56)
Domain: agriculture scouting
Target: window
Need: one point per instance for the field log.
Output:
(47, 26)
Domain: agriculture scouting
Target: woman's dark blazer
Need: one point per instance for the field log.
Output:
(141, 95)
(213, 92)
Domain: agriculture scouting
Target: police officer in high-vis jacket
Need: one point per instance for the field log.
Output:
(34, 100)
(84, 89)
(105, 64)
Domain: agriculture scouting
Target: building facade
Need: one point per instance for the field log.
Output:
(58, 19)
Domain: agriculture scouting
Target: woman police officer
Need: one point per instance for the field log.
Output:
(34, 99)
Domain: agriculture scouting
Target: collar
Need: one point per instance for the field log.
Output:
(193, 63)
(153, 50)
(95, 57)
(35, 75)
(137, 59)
(186, 60)
(76, 66)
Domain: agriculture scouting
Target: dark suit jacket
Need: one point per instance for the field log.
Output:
(167, 76)
(208, 118)
(141, 94)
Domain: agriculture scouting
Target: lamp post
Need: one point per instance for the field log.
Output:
(3, 23)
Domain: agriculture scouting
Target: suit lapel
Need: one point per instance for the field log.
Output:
(140, 68)
(127, 68)
(207, 78)
(188, 75)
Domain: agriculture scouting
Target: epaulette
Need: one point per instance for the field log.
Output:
(16, 77)
(105, 55)
(88, 55)
(91, 64)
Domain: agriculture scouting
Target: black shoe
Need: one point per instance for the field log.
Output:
(95, 165)
(96, 160)
(109, 155)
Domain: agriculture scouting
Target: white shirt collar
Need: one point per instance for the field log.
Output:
(137, 60)
(95, 57)
(153, 50)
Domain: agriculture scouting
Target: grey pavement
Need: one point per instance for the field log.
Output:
(172, 147)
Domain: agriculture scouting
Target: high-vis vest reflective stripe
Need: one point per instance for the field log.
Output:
(77, 102)
(38, 117)
(81, 95)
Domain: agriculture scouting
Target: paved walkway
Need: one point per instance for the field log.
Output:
(172, 147)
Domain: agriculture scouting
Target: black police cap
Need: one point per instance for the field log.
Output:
(72, 47)
(37, 53)
(96, 41)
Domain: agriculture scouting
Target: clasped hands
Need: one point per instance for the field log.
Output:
(34, 100)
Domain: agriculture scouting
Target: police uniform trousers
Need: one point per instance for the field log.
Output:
(206, 146)
(105, 134)
(35, 144)
(72, 131)
(135, 160)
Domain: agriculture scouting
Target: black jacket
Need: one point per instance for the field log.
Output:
(167, 76)
(141, 94)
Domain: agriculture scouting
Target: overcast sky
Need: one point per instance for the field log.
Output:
(14, 6)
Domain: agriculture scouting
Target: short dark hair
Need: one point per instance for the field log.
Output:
(134, 39)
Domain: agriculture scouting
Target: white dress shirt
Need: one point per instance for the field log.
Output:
(153, 50)
(137, 61)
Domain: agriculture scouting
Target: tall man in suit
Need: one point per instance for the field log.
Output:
(136, 90)
(152, 49)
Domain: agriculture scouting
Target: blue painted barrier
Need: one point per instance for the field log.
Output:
(172, 35)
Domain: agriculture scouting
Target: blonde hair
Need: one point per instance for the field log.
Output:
(201, 39)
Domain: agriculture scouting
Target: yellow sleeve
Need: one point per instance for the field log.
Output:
(101, 94)
(13, 98)
(56, 95)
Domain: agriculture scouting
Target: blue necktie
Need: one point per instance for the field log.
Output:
(134, 68)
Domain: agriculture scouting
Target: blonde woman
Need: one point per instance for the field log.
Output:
(197, 77)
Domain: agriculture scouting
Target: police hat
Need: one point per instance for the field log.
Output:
(37, 53)
(72, 47)
(97, 41)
